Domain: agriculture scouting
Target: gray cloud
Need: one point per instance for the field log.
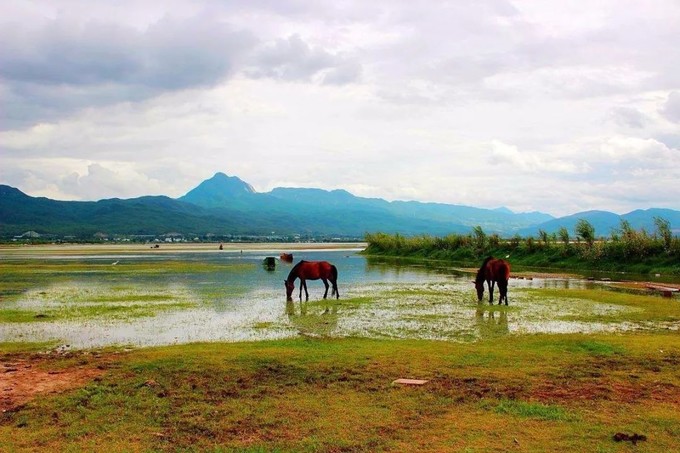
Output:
(62, 66)
(671, 108)
(628, 117)
(293, 59)
(170, 54)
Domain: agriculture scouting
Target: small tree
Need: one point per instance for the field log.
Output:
(563, 234)
(663, 228)
(479, 237)
(586, 231)
(543, 235)
(494, 240)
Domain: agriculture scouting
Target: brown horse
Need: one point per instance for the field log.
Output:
(493, 271)
(312, 270)
(286, 257)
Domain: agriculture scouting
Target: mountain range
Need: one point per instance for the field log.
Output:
(226, 205)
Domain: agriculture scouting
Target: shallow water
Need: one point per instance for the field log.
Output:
(239, 300)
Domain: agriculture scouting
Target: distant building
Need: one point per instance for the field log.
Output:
(28, 235)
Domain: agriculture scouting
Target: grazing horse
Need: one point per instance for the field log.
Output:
(312, 270)
(493, 271)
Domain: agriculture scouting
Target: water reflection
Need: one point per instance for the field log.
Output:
(491, 323)
(313, 319)
(387, 266)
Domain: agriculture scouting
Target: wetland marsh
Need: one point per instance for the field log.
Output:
(132, 295)
(229, 365)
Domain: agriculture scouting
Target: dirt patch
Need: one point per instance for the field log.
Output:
(550, 392)
(647, 286)
(545, 275)
(529, 275)
(22, 379)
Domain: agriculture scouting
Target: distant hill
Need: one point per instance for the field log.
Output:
(145, 215)
(225, 205)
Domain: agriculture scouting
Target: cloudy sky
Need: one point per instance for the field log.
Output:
(535, 105)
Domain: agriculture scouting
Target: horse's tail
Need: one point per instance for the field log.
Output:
(506, 270)
(334, 281)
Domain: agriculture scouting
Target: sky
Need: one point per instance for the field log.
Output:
(539, 105)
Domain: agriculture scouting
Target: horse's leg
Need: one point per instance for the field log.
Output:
(505, 291)
(306, 292)
(302, 283)
(491, 284)
(500, 293)
(335, 288)
(325, 283)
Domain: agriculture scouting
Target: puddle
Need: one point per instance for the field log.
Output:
(190, 297)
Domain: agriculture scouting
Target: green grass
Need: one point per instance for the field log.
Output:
(647, 308)
(649, 254)
(531, 410)
(107, 307)
(46, 291)
(571, 392)
(9, 348)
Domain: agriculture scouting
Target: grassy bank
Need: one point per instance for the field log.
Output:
(530, 393)
(628, 250)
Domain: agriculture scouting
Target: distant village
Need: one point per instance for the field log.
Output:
(34, 237)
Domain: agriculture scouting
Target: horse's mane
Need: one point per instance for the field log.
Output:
(294, 271)
(480, 272)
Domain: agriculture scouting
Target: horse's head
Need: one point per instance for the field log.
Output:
(290, 286)
(479, 286)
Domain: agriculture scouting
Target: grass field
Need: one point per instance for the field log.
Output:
(528, 393)
(504, 389)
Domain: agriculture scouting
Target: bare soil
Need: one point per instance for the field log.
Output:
(25, 378)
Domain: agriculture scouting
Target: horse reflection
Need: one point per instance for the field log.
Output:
(492, 324)
(311, 320)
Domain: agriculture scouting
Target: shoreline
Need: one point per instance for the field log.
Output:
(203, 247)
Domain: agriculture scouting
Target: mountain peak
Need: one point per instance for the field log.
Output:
(232, 183)
(219, 190)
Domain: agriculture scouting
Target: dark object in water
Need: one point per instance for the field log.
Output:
(270, 263)
(286, 257)
(634, 438)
